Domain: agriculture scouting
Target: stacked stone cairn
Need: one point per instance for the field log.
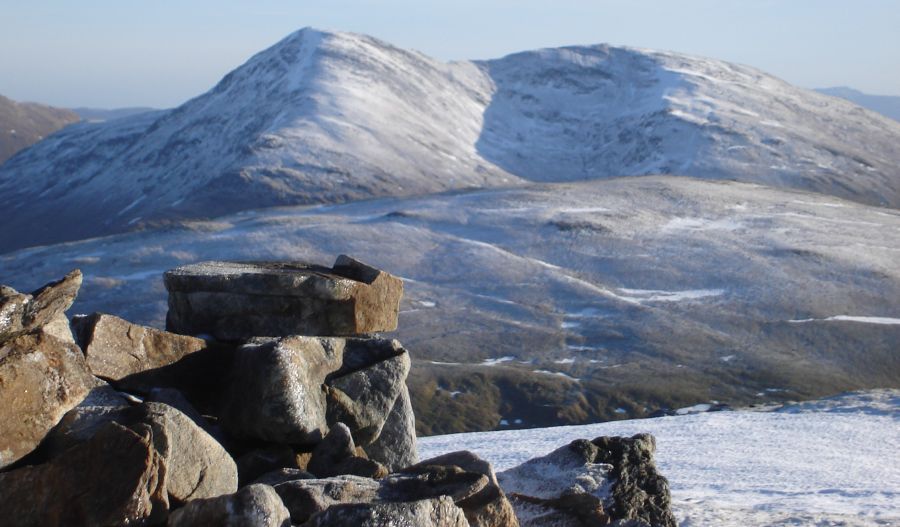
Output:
(268, 402)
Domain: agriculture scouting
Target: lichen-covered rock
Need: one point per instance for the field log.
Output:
(115, 478)
(252, 506)
(395, 447)
(115, 348)
(237, 301)
(435, 512)
(640, 492)
(41, 378)
(23, 313)
(488, 507)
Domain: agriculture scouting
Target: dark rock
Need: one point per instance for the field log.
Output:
(337, 454)
(253, 464)
(41, 378)
(306, 497)
(431, 481)
(364, 398)
(283, 475)
(115, 348)
(116, 478)
(395, 446)
(436, 512)
(640, 492)
(198, 466)
(489, 507)
(252, 506)
(22, 313)
(236, 301)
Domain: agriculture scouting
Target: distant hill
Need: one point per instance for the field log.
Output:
(24, 123)
(102, 114)
(887, 105)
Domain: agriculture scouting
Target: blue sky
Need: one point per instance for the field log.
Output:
(113, 53)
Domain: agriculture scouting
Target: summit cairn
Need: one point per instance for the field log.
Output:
(268, 402)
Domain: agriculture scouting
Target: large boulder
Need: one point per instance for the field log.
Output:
(41, 378)
(22, 313)
(101, 406)
(291, 389)
(395, 447)
(434, 512)
(237, 301)
(488, 507)
(115, 348)
(116, 478)
(252, 506)
(608, 481)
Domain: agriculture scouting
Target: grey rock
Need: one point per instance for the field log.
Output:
(283, 475)
(431, 481)
(395, 447)
(276, 389)
(102, 405)
(116, 478)
(198, 466)
(41, 378)
(235, 301)
(640, 492)
(254, 464)
(337, 454)
(252, 506)
(115, 348)
(307, 497)
(489, 507)
(364, 399)
(435, 512)
(22, 313)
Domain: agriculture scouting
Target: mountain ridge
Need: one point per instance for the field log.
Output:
(325, 117)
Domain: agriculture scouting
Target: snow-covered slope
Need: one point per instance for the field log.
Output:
(887, 105)
(570, 302)
(331, 117)
(825, 463)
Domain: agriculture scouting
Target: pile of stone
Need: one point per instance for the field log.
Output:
(267, 402)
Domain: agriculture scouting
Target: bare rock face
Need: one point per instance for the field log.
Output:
(435, 512)
(22, 313)
(116, 478)
(115, 348)
(488, 506)
(291, 390)
(337, 454)
(307, 497)
(252, 506)
(41, 378)
(237, 301)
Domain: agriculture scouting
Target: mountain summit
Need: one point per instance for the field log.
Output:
(324, 117)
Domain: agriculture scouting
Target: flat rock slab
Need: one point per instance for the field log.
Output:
(240, 300)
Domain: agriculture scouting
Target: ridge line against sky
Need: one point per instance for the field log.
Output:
(108, 53)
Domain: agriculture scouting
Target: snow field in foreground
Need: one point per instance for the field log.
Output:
(832, 462)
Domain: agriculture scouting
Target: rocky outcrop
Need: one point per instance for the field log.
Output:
(607, 481)
(22, 313)
(395, 447)
(252, 506)
(115, 348)
(236, 301)
(115, 478)
(41, 378)
(337, 454)
(435, 512)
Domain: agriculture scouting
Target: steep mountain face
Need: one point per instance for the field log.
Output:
(887, 105)
(333, 117)
(24, 123)
(104, 114)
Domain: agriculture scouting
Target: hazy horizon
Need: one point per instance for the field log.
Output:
(108, 54)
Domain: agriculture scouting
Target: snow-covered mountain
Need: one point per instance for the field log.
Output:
(887, 105)
(824, 463)
(332, 117)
